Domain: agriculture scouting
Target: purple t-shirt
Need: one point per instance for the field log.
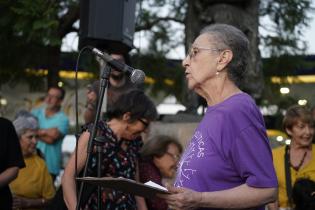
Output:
(229, 148)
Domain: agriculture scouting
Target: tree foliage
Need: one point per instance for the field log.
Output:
(284, 43)
(161, 20)
(288, 21)
(32, 32)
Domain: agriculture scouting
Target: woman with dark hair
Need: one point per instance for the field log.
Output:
(303, 194)
(296, 160)
(159, 158)
(130, 117)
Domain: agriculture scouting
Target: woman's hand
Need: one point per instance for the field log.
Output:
(182, 198)
(19, 202)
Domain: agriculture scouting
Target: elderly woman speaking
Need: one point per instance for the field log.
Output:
(228, 163)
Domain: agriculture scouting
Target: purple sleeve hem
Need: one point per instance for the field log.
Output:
(262, 184)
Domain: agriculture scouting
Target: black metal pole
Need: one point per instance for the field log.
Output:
(103, 86)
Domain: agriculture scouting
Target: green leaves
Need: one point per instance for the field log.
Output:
(36, 21)
(288, 19)
(30, 28)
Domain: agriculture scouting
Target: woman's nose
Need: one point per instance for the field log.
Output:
(309, 130)
(34, 139)
(185, 62)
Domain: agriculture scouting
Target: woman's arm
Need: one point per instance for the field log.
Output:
(240, 197)
(68, 178)
(8, 175)
(20, 202)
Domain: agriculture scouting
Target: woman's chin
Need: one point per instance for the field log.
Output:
(191, 86)
(171, 173)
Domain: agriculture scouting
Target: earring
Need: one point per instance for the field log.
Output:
(217, 73)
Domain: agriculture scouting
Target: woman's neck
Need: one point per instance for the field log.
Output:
(27, 154)
(217, 93)
(299, 156)
(300, 148)
(115, 126)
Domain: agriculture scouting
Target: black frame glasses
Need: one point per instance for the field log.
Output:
(146, 124)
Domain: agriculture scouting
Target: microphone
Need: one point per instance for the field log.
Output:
(136, 76)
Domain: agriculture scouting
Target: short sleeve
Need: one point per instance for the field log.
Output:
(63, 125)
(35, 112)
(252, 158)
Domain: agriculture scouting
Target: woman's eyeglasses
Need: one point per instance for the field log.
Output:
(30, 137)
(175, 157)
(146, 124)
(193, 51)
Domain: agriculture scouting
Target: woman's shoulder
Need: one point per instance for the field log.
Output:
(39, 160)
(240, 101)
(4, 121)
(5, 124)
(36, 161)
(145, 163)
(135, 145)
(236, 106)
(102, 125)
(148, 171)
(278, 151)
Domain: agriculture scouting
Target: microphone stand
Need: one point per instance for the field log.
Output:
(96, 141)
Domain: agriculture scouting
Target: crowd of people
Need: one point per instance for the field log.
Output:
(228, 164)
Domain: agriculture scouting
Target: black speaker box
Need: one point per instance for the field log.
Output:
(107, 24)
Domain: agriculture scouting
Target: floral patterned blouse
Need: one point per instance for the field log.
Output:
(116, 162)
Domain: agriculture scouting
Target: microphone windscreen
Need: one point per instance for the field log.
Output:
(137, 76)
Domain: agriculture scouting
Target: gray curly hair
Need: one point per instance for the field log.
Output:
(25, 121)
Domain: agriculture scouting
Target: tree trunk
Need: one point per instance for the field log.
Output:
(240, 13)
(53, 65)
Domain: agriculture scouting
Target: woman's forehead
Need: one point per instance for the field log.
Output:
(302, 120)
(30, 130)
(203, 40)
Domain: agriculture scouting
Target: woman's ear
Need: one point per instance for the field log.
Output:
(224, 59)
(126, 117)
(156, 160)
(289, 132)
